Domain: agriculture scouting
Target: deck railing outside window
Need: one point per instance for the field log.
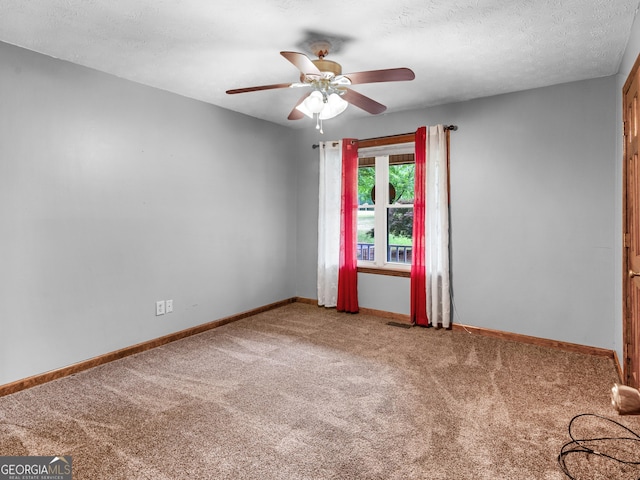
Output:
(395, 253)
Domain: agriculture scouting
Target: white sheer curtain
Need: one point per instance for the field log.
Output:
(437, 228)
(329, 222)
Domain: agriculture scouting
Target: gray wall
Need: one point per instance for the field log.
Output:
(114, 195)
(533, 179)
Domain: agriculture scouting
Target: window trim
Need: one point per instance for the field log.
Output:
(380, 148)
(392, 272)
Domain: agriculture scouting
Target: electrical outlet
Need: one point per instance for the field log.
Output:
(169, 306)
(160, 308)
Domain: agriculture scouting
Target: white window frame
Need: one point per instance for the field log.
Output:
(381, 205)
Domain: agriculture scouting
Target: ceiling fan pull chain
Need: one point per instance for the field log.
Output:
(319, 123)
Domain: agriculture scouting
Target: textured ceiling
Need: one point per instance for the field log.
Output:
(458, 49)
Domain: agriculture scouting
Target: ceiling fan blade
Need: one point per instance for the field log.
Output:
(295, 113)
(388, 75)
(365, 103)
(302, 63)
(262, 87)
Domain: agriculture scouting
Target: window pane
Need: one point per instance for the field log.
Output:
(402, 177)
(399, 234)
(366, 215)
(400, 220)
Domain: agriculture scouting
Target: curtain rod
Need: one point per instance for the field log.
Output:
(446, 127)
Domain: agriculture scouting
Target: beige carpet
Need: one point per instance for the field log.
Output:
(301, 392)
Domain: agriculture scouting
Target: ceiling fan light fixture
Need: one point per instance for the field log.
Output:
(335, 106)
(302, 108)
(314, 103)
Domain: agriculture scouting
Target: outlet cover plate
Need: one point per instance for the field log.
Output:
(169, 306)
(160, 308)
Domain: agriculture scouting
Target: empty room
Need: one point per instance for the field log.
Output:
(319, 240)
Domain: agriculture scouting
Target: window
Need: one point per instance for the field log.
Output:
(385, 206)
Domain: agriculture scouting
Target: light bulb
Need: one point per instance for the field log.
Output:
(314, 102)
(335, 106)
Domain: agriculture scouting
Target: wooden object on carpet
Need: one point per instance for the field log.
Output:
(626, 400)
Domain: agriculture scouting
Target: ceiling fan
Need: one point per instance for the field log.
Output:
(330, 89)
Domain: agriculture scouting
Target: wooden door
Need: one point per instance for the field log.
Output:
(631, 173)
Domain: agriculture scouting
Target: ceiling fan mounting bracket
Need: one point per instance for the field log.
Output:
(329, 68)
(320, 48)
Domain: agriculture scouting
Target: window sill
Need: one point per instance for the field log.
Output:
(393, 272)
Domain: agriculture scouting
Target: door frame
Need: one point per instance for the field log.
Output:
(627, 329)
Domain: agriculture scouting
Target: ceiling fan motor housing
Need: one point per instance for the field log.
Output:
(320, 49)
(328, 66)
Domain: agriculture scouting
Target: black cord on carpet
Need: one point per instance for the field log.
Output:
(586, 446)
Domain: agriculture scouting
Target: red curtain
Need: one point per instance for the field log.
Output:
(348, 269)
(418, 268)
